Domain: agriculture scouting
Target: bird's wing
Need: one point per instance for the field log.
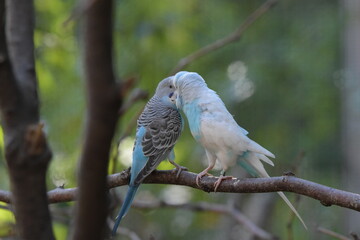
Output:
(158, 141)
(150, 112)
(227, 132)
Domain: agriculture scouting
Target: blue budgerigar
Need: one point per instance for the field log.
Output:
(216, 130)
(158, 128)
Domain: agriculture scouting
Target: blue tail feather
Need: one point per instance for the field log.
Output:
(125, 207)
(249, 169)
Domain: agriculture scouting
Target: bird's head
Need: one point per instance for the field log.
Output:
(187, 86)
(165, 91)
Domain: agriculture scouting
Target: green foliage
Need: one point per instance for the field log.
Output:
(60, 86)
(7, 221)
(290, 55)
(60, 231)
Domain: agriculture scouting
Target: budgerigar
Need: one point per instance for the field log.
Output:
(216, 130)
(158, 128)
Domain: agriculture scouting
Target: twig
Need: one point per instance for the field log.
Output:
(332, 233)
(232, 37)
(326, 195)
(210, 207)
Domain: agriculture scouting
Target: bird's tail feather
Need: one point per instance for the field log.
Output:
(125, 207)
(286, 200)
(253, 165)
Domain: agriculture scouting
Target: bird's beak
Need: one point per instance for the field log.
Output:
(173, 97)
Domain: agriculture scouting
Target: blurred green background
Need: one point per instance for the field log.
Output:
(282, 81)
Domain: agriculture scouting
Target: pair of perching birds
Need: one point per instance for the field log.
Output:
(160, 125)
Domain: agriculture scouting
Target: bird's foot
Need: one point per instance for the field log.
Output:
(179, 169)
(220, 179)
(200, 175)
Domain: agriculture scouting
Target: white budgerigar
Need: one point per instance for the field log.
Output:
(216, 130)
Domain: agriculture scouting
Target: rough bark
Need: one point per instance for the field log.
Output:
(26, 151)
(103, 103)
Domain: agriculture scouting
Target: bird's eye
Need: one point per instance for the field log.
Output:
(171, 86)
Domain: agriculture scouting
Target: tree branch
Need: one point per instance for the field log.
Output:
(103, 102)
(232, 37)
(216, 208)
(332, 234)
(5, 196)
(326, 195)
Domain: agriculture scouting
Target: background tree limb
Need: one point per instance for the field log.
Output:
(232, 37)
(336, 235)
(229, 210)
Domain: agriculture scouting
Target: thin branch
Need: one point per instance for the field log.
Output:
(232, 37)
(326, 195)
(332, 233)
(210, 207)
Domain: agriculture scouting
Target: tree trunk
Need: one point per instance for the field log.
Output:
(26, 151)
(103, 104)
